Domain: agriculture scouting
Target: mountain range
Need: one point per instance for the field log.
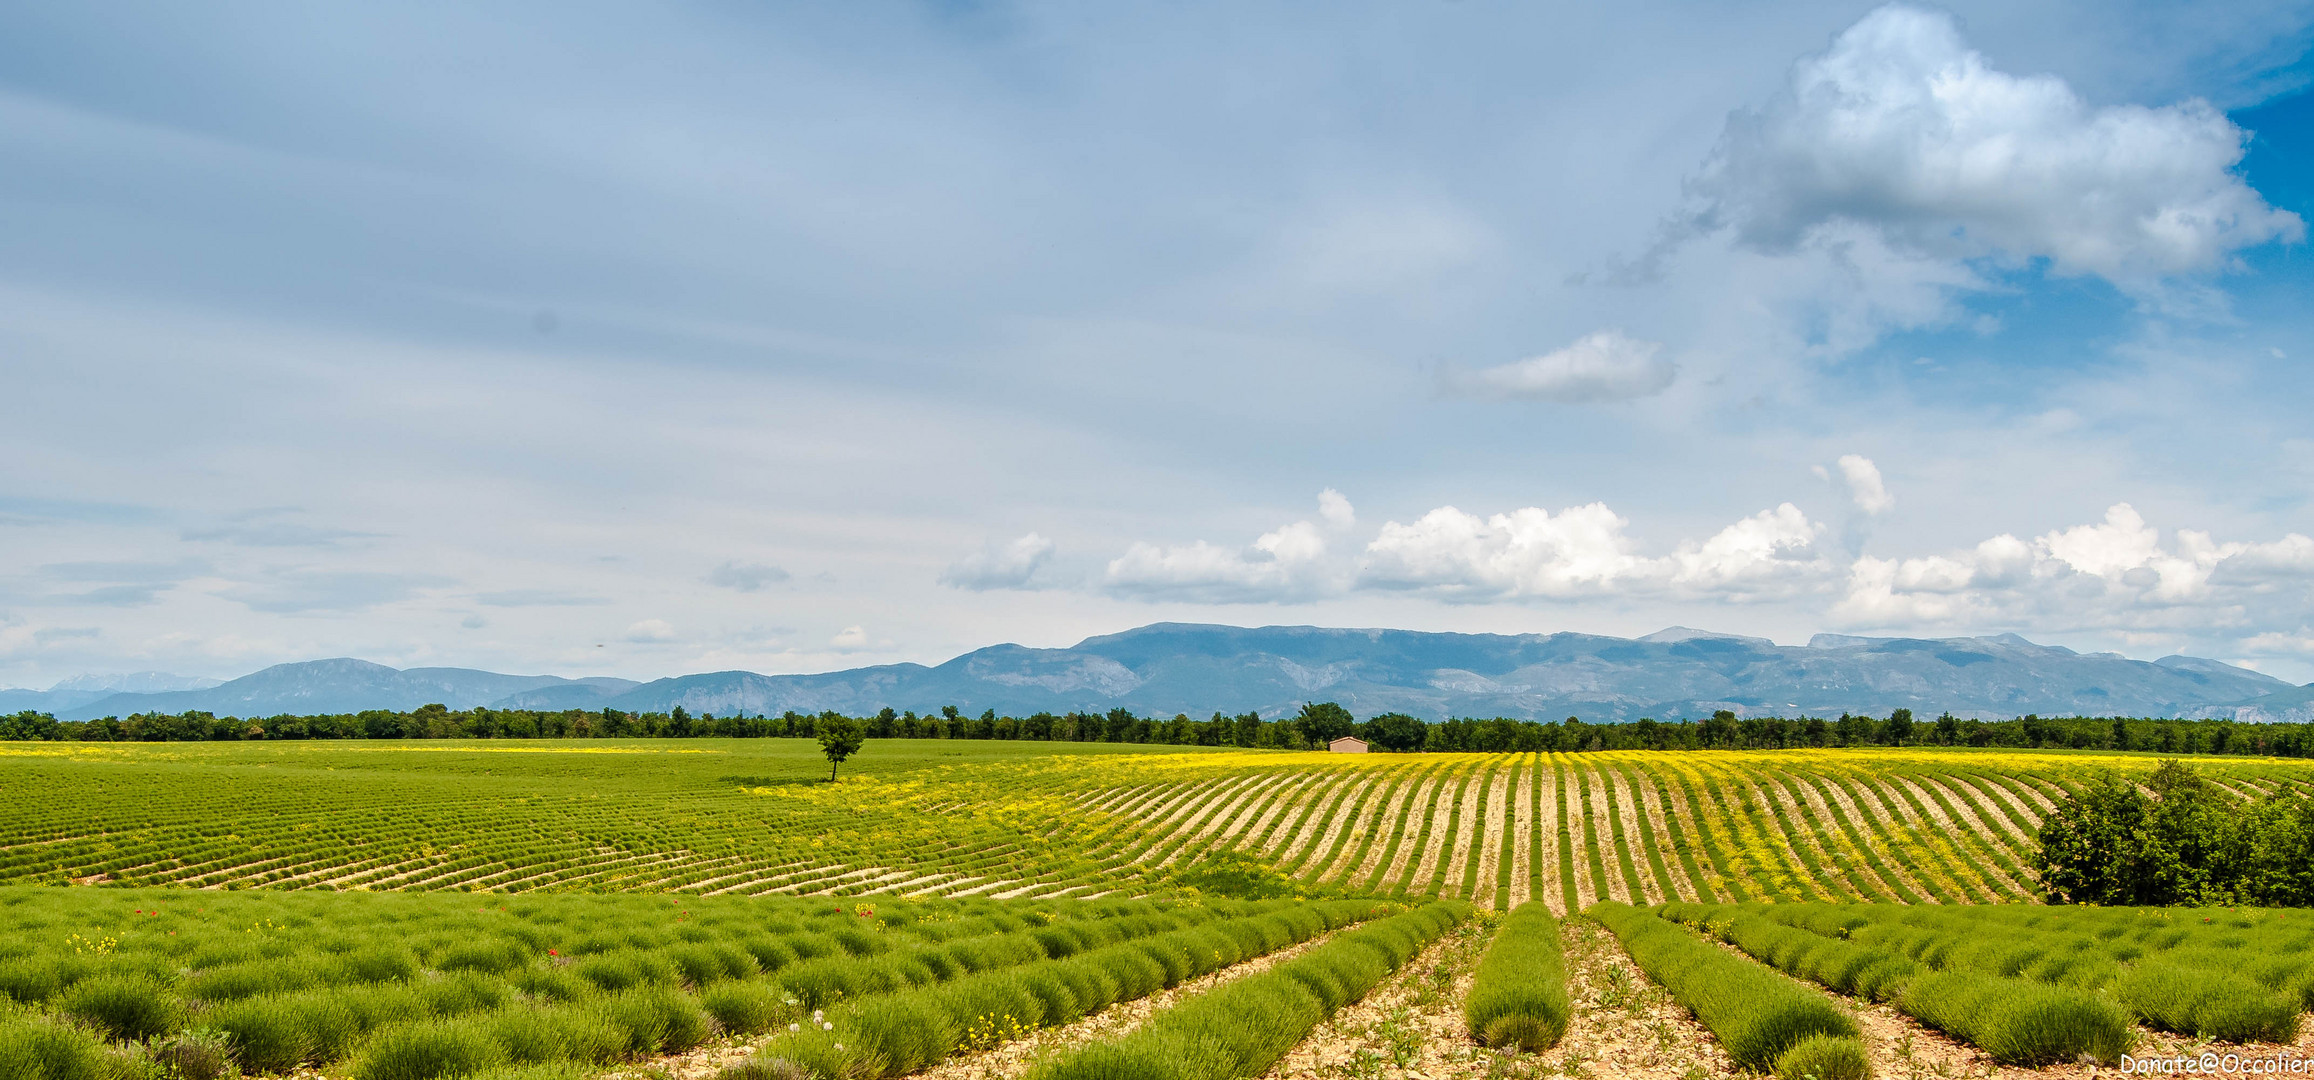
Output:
(1199, 669)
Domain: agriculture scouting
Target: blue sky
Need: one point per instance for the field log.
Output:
(594, 339)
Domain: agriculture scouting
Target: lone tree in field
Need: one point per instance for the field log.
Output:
(840, 737)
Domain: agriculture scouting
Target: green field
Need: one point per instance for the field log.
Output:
(935, 818)
(412, 910)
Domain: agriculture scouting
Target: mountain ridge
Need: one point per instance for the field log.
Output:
(1163, 668)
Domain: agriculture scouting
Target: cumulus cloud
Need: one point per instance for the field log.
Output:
(1903, 129)
(2118, 575)
(1603, 366)
(849, 639)
(1865, 487)
(1009, 566)
(1529, 552)
(746, 577)
(1582, 551)
(1291, 563)
(650, 630)
(1769, 553)
(1454, 555)
(2114, 574)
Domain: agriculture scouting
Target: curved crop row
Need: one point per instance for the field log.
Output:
(2194, 979)
(1764, 1021)
(2016, 1021)
(902, 1033)
(1241, 1029)
(284, 980)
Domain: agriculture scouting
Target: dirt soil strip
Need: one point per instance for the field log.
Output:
(1622, 1025)
(1547, 832)
(1016, 1058)
(1220, 807)
(1989, 879)
(1578, 853)
(1833, 881)
(1643, 786)
(2004, 840)
(1411, 833)
(1523, 833)
(1639, 810)
(1449, 836)
(1256, 823)
(1829, 833)
(1321, 815)
(2018, 806)
(1498, 806)
(1830, 788)
(1381, 827)
(1408, 1027)
(1698, 838)
(1612, 886)
(1342, 817)
(1263, 805)
(1290, 835)
(1635, 836)
(1469, 830)
(1883, 810)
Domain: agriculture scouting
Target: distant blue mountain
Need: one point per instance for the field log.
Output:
(1199, 669)
(82, 689)
(342, 686)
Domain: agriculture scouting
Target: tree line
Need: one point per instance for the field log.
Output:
(1313, 726)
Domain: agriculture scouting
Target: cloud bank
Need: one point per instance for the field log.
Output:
(2117, 574)
(1904, 130)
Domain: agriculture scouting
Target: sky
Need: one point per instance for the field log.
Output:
(613, 339)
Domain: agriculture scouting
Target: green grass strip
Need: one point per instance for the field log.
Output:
(1518, 996)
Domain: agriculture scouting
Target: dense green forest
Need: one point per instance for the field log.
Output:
(1312, 727)
(2172, 837)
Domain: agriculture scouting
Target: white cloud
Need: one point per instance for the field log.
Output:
(1903, 129)
(1582, 551)
(1527, 552)
(1288, 564)
(650, 630)
(2115, 574)
(1864, 484)
(1603, 366)
(1007, 567)
(1771, 552)
(850, 638)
